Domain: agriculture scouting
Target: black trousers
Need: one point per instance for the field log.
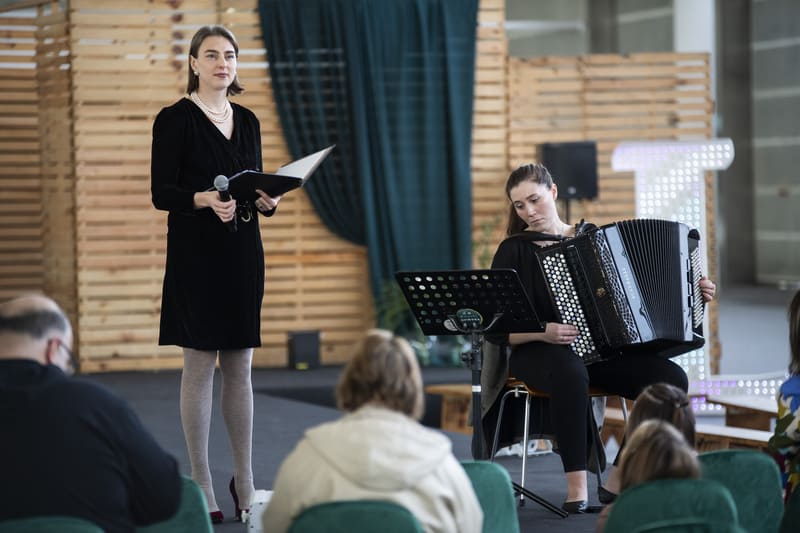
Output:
(556, 370)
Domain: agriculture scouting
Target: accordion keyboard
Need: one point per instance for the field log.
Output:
(568, 305)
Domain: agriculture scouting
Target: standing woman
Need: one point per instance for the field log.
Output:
(214, 277)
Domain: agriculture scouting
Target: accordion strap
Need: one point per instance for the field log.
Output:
(535, 236)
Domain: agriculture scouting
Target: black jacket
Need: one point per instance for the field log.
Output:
(70, 447)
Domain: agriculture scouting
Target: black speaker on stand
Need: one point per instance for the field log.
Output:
(573, 166)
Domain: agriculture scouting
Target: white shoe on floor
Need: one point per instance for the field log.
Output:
(258, 504)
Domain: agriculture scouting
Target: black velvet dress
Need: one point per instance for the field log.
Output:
(214, 278)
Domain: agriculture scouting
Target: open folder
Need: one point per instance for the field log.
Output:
(243, 185)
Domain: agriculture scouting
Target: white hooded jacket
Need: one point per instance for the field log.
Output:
(377, 454)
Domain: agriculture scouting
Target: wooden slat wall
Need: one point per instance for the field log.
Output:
(129, 60)
(21, 246)
(57, 162)
(489, 133)
(608, 99)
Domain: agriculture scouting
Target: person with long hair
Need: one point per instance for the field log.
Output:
(785, 442)
(655, 450)
(544, 360)
(214, 275)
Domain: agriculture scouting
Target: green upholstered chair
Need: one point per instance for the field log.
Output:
(790, 523)
(49, 524)
(689, 525)
(191, 517)
(492, 485)
(753, 479)
(356, 516)
(670, 499)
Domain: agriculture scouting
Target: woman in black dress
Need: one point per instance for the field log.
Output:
(544, 360)
(214, 277)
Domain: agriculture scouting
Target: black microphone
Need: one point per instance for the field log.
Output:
(221, 184)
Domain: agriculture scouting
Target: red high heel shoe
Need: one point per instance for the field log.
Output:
(232, 488)
(216, 517)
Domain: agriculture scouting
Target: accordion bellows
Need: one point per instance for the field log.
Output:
(630, 287)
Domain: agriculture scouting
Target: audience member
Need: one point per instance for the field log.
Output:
(70, 447)
(377, 450)
(786, 440)
(661, 401)
(666, 402)
(655, 450)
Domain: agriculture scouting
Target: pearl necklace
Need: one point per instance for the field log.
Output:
(217, 117)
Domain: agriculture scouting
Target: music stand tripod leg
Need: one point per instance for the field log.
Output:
(475, 362)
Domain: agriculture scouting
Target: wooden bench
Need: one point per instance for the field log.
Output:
(709, 436)
(753, 412)
(457, 397)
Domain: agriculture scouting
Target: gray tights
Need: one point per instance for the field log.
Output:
(197, 383)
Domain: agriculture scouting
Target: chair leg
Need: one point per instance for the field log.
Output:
(497, 426)
(525, 436)
(596, 442)
(624, 405)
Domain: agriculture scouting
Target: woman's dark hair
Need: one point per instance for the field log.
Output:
(794, 334)
(666, 402)
(209, 31)
(531, 172)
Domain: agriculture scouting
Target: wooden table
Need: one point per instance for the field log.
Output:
(456, 401)
(747, 411)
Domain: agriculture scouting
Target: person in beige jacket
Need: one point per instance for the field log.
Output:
(378, 450)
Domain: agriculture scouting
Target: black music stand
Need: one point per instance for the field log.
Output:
(453, 302)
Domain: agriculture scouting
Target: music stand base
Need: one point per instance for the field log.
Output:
(538, 499)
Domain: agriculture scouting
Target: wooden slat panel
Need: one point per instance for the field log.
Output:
(610, 98)
(129, 62)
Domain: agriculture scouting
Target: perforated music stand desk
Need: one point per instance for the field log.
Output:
(454, 302)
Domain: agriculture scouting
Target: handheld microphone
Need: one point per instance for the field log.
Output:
(221, 184)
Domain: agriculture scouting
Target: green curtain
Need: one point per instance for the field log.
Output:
(390, 82)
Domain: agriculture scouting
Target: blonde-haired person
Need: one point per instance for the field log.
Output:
(659, 401)
(378, 450)
(655, 450)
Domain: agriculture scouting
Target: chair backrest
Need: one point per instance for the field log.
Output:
(790, 523)
(356, 516)
(753, 479)
(668, 499)
(191, 517)
(49, 524)
(689, 525)
(492, 486)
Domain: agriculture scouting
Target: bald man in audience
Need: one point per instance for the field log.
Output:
(68, 446)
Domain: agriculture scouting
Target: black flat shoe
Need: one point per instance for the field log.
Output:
(605, 496)
(580, 507)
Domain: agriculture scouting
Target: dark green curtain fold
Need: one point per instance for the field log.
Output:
(390, 82)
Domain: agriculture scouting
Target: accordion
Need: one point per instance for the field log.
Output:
(630, 287)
